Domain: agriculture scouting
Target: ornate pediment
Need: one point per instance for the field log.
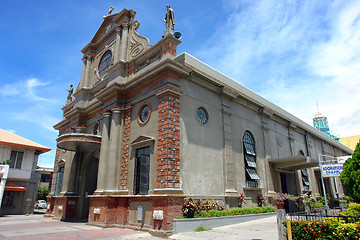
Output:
(137, 43)
(142, 140)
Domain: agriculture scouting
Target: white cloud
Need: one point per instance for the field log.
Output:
(295, 54)
(11, 130)
(24, 90)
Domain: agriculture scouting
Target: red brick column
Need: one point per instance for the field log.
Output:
(125, 149)
(168, 48)
(168, 149)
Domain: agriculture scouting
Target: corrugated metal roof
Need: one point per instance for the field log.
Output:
(11, 139)
(14, 187)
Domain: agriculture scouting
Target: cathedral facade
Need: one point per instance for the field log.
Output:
(146, 128)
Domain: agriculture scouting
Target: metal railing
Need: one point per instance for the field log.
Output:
(321, 215)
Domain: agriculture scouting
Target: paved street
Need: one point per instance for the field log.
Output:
(37, 227)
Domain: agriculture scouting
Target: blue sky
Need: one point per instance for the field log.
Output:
(294, 53)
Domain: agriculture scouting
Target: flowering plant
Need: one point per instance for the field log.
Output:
(5, 162)
(307, 198)
(281, 197)
(241, 199)
(190, 206)
(261, 200)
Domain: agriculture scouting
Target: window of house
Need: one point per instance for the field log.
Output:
(250, 160)
(16, 159)
(142, 166)
(45, 178)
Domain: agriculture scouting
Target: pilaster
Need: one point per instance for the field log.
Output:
(113, 151)
(101, 183)
(117, 46)
(125, 149)
(82, 78)
(230, 183)
(87, 70)
(168, 149)
(125, 32)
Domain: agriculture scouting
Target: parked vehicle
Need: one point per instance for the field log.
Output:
(40, 204)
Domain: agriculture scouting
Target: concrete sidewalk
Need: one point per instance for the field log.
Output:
(38, 227)
(265, 228)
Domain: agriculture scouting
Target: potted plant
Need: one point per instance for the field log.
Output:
(190, 207)
(5, 162)
(241, 199)
(261, 200)
(281, 197)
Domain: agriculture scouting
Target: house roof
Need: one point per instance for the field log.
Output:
(11, 139)
(14, 187)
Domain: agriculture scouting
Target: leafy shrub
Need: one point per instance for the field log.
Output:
(316, 205)
(236, 211)
(348, 231)
(311, 230)
(355, 206)
(350, 176)
(324, 230)
(191, 207)
(352, 215)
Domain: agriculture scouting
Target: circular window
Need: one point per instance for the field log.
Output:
(202, 115)
(104, 63)
(144, 113)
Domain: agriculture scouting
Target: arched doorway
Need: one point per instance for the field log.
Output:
(87, 183)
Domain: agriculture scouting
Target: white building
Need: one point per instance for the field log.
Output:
(22, 180)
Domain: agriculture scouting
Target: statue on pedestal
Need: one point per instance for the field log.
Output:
(70, 94)
(169, 21)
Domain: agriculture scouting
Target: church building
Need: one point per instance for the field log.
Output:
(147, 127)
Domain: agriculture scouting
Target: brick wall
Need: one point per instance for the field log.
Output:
(115, 211)
(125, 150)
(168, 149)
(69, 207)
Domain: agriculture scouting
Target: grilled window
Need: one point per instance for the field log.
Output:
(251, 175)
(305, 178)
(304, 175)
(16, 159)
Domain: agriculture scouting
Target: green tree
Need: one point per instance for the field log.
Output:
(350, 175)
(42, 192)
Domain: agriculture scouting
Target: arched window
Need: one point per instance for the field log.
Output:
(250, 160)
(305, 175)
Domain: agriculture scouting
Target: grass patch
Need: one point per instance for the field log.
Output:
(201, 229)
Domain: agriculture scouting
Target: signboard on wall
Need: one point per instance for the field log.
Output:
(331, 170)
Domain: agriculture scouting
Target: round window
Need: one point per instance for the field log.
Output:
(104, 63)
(202, 115)
(144, 113)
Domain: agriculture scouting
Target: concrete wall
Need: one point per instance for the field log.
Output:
(203, 164)
(29, 158)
